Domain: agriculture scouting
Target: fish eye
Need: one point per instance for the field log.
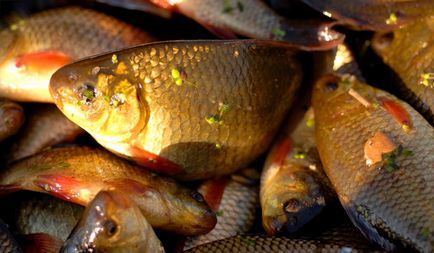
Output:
(87, 93)
(329, 83)
(197, 196)
(292, 205)
(110, 228)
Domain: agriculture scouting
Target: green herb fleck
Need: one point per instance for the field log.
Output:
(227, 8)
(214, 119)
(247, 241)
(310, 122)
(427, 79)
(240, 6)
(389, 159)
(219, 213)
(89, 94)
(392, 20)
(279, 33)
(363, 210)
(114, 59)
(177, 76)
(218, 146)
(425, 233)
(300, 154)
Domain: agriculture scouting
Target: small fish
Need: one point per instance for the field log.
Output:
(254, 19)
(45, 126)
(294, 189)
(33, 49)
(234, 201)
(190, 109)
(409, 52)
(112, 223)
(377, 152)
(140, 5)
(8, 244)
(264, 244)
(11, 118)
(376, 15)
(77, 174)
(36, 213)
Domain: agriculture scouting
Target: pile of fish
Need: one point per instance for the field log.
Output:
(266, 134)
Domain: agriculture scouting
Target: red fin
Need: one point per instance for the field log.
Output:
(155, 162)
(42, 61)
(40, 243)
(127, 185)
(212, 192)
(397, 111)
(9, 188)
(68, 188)
(284, 147)
(222, 33)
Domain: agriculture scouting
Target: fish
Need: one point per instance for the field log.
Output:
(234, 199)
(140, 5)
(373, 15)
(32, 49)
(294, 188)
(8, 244)
(11, 118)
(409, 52)
(189, 109)
(77, 174)
(254, 19)
(265, 244)
(377, 152)
(45, 126)
(112, 222)
(36, 213)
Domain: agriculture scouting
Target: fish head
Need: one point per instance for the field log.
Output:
(98, 95)
(290, 205)
(111, 222)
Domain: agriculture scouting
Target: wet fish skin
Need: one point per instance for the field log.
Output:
(77, 174)
(35, 213)
(375, 15)
(235, 204)
(294, 189)
(11, 118)
(391, 206)
(112, 223)
(8, 244)
(31, 50)
(207, 109)
(264, 244)
(45, 126)
(412, 60)
(254, 19)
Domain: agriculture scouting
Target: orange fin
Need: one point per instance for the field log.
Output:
(68, 188)
(42, 61)
(10, 188)
(155, 162)
(40, 243)
(397, 111)
(213, 192)
(284, 147)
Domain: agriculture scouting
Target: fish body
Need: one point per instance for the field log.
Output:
(409, 52)
(376, 15)
(235, 205)
(77, 174)
(293, 185)
(11, 118)
(190, 109)
(112, 223)
(36, 213)
(45, 126)
(377, 152)
(8, 244)
(264, 244)
(254, 19)
(32, 49)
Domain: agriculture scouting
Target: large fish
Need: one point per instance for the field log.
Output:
(8, 244)
(378, 153)
(77, 174)
(112, 223)
(32, 49)
(374, 14)
(234, 200)
(294, 188)
(410, 52)
(254, 19)
(11, 118)
(45, 126)
(191, 109)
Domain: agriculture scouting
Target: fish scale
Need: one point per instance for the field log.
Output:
(184, 122)
(387, 206)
